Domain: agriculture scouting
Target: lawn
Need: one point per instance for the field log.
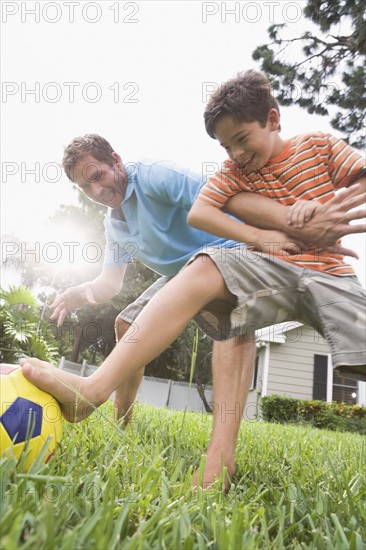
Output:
(296, 487)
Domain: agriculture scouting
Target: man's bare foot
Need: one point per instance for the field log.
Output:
(74, 394)
(216, 468)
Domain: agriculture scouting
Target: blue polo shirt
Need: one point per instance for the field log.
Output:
(152, 224)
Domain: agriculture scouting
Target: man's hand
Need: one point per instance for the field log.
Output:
(278, 243)
(99, 290)
(71, 299)
(301, 212)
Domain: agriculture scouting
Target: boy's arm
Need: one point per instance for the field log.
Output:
(215, 221)
(328, 224)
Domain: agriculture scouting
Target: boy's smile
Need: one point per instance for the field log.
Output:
(100, 182)
(249, 144)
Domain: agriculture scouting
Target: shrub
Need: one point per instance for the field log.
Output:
(276, 408)
(331, 416)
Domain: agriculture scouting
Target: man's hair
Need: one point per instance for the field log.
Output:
(90, 144)
(247, 98)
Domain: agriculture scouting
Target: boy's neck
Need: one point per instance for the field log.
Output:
(278, 146)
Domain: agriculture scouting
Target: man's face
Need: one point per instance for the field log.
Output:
(100, 182)
(248, 143)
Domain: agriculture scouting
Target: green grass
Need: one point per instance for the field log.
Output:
(296, 488)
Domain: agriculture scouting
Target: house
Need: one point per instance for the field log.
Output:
(294, 360)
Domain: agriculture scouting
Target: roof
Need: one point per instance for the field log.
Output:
(276, 333)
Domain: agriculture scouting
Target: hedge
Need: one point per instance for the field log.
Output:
(330, 416)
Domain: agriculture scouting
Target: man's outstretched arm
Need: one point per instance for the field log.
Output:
(99, 290)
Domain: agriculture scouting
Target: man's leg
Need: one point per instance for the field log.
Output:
(232, 373)
(125, 394)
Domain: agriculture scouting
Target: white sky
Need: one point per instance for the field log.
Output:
(134, 72)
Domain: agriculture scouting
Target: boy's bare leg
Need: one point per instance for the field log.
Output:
(74, 394)
(159, 324)
(232, 369)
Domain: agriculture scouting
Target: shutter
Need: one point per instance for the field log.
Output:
(255, 374)
(320, 377)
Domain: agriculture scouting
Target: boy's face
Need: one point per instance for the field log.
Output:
(100, 182)
(248, 143)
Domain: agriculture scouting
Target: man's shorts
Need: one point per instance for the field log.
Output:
(271, 290)
(221, 309)
(131, 312)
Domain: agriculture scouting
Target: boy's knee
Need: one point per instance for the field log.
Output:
(204, 265)
(120, 327)
(209, 277)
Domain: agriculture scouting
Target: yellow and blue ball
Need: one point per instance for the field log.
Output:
(30, 419)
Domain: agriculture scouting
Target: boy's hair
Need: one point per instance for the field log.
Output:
(247, 98)
(90, 144)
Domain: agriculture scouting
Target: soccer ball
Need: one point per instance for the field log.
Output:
(30, 419)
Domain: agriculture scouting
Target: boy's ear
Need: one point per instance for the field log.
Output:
(274, 120)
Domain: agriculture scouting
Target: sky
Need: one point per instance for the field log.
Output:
(138, 73)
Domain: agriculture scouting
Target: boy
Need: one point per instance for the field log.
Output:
(302, 172)
(244, 117)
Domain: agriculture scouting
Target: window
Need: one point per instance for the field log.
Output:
(344, 389)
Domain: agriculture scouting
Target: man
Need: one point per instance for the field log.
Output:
(148, 206)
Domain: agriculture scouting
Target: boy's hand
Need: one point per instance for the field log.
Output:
(301, 212)
(72, 298)
(332, 220)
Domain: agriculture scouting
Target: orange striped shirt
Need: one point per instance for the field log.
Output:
(311, 166)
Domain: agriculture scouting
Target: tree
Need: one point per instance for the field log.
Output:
(332, 71)
(13, 260)
(176, 361)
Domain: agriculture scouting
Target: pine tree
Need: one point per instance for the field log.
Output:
(332, 71)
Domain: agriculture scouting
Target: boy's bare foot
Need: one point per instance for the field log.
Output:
(74, 394)
(215, 468)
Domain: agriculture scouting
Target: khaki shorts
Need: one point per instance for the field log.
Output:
(270, 291)
(131, 312)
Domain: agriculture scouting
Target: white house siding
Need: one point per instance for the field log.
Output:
(292, 363)
(251, 409)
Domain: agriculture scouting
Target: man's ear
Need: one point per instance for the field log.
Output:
(117, 160)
